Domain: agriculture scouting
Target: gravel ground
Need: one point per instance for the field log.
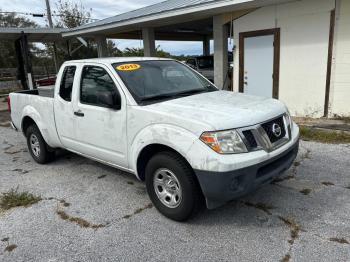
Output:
(274, 223)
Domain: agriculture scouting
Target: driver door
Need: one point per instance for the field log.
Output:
(101, 130)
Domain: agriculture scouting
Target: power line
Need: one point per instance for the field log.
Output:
(45, 15)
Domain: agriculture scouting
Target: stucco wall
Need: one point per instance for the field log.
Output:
(340, 81)
(304, 50)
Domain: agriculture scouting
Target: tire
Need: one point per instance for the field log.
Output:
(40, 150)
(167, 172)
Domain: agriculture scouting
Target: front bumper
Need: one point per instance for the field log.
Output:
(221, 187)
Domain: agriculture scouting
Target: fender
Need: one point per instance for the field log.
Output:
(172, 136)
(47, 132)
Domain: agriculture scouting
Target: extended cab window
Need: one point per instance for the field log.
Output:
(95, 80)
(67, 83)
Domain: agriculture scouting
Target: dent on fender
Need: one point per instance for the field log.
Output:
(178, 139)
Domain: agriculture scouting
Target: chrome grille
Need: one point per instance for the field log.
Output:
(269, 129)
(265, 136)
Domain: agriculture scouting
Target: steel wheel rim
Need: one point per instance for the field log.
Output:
(34, 145)
(167, 188)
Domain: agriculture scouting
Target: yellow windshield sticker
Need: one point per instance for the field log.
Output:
(128, 67)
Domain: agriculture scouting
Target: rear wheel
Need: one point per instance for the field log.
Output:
(172, 186)
(37, 146)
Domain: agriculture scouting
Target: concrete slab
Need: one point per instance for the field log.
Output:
(274, 222)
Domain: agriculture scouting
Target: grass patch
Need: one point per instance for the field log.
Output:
(326, 183)
(305, 191)
(286, 258)
(339, 240)
(346, 119)
(323, 136)
(77, 220)
(10, 248)
(138, 211)
(262, 206)
(13, 198)
(5, 91)
(295, 228)
(64, 203)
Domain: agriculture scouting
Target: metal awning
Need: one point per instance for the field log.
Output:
(33, 34)
(164, 16)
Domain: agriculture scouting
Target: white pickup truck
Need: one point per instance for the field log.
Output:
(162, 121)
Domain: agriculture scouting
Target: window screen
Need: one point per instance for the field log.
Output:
(94, 80)
(67, 83)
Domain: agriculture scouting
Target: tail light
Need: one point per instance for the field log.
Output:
(9, 104)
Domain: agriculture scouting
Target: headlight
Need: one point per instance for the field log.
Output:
(224, 142)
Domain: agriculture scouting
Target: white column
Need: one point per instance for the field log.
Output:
(206, 45)
(220, 51)
(149, 43)
(101, 42)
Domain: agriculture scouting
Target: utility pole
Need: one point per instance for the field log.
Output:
(49, 18)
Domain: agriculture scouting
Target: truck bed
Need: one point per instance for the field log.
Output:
(47, 91)
(39, 106)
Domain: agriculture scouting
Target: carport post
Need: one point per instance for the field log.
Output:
(149, 43)
(27, 61)
(21, 74)
(220, 51)
(101, 42)
(206, 45)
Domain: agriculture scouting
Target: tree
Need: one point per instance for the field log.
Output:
(140, 52)
(7, 47)
(71, 14)
(112, 49)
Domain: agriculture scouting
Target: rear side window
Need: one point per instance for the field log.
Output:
(67, 83)
(95, 80)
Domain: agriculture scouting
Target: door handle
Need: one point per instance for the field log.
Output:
(79, 113)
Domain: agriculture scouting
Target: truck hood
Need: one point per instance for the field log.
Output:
(222, 109)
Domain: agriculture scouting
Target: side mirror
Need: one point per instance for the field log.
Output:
(109, 99)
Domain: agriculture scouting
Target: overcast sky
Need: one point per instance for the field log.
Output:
(103, 9)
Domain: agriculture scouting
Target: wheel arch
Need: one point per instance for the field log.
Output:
(27, 121)
(148, 152)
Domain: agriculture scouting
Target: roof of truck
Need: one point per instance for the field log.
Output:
(111, 60)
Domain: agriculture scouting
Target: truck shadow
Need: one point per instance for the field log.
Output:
(270, 206)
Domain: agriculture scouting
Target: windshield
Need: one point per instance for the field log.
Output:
(205, 62)
(161, 79)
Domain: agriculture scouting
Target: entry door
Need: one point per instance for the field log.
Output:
(101, 130)
(63, 106)
(259, 63)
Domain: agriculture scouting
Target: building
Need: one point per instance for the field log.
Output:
(297, 51)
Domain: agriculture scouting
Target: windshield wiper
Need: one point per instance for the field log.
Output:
(175, 95)
(190, 92)
(156, 97)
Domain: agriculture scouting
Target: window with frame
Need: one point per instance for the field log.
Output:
(95, 80)
(66, 85)
(192, 63)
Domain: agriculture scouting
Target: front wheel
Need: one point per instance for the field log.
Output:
(37, 146)
(172, 186)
